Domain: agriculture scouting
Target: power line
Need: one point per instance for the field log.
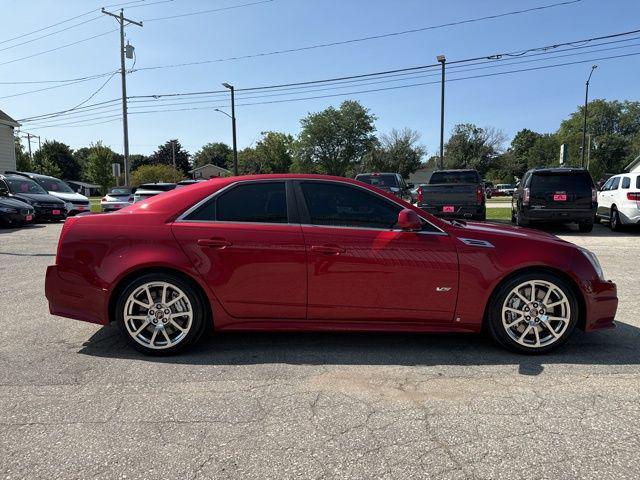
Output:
(364, 39)
(314, 97)
(202, 12)
(47, 27)
(32, 82)
(59, 48)
(55, 86)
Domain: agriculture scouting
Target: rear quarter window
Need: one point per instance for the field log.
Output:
(571, 182)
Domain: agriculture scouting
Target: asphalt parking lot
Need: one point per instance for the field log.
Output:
(76, 402)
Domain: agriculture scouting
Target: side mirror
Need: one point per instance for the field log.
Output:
(409, 221)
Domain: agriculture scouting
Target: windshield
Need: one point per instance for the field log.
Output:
(552, 182)
(380, 180)
(119, 191)
(54, 185)
(23, 185)
(158, 187)
(454, 177)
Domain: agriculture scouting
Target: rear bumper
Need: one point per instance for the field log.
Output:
(460, 211)
(629, 215)
(71, 296)
(558, 215)
(602, 304)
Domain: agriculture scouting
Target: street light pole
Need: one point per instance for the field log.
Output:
(233, 127)
(443, 61)
(123, 73)
(584, 123)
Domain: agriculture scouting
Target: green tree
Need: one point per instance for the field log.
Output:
(275, 151)
(471, 146)
(98, 166)
(155, 173)
(397, 152)
(613, 127)
(164, 155)
(47, 167)
(215, 153)
(545, 151)
(81, 156)
(249, 162)
(137, 160)
(335, 141)
(23, 163)
(57, 153)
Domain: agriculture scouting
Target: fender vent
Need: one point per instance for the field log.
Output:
(476, 243)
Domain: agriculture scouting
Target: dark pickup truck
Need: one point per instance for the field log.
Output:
(454, 194)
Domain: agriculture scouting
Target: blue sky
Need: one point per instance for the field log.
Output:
(538, 100)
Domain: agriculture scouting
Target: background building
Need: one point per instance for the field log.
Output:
(7, 146)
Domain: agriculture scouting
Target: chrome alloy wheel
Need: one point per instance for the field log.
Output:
(158, 315)
(536, 313)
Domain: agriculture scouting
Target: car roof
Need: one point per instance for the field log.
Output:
(451, 170)
(558, 170)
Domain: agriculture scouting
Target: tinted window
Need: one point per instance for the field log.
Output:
(23, 185)
(383, 180)
(345, 206)
(253, 202)
(157, 187)
(626, 182)
(454, 177)
(615, 184)
(560, 181)
(638, 181)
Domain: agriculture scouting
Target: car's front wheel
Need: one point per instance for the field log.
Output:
(533, 313)
(160, 313)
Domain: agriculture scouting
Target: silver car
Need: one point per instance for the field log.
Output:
(117, 198)
(147, 190)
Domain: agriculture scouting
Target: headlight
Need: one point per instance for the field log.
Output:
(594, 262)
(8, 210)
(68, 206)
(394, 189)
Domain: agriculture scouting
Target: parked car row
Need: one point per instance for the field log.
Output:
(120, 197)
(23, 201)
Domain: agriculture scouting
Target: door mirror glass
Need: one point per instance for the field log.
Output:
(409, 220)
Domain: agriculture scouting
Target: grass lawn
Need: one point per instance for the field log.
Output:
(499, 214)
(95, 204)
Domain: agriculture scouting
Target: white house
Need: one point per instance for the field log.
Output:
(209, 171)
(7, 147)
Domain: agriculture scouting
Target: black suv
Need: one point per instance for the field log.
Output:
(47, 207)
(560, 195)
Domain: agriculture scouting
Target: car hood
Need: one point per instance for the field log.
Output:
(68, 197)
(37, 197)
(13, 202)
(477, 228)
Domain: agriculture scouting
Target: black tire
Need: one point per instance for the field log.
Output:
(614, 220)
(199, 321)
(585, 227)
(521, 221)
(498, 331)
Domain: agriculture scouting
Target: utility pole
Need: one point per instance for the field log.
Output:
(29, 141)
(123, 73)
(443, 61)
(584, 124)
(173, 156)
(588, 150)
(233, 127)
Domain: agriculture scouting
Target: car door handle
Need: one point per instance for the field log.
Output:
(214, 242)
(327, 249)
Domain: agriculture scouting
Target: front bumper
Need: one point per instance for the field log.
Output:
(79, 208)
(18, 218)
(71, 296)
(601, 304)
(46, 213)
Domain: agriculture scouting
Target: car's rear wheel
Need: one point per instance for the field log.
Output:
(533, 313)
(160, 314)
(614, 220)
(520, 220)
(585, 227)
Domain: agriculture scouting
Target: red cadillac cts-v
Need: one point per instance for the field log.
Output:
(309, 252)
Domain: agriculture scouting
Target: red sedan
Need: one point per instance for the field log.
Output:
(309, 252)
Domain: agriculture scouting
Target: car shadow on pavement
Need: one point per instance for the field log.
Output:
(611, 347)
(17, 229)
(571, 230)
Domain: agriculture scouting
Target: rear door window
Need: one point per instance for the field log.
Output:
(626, 182)
(250, 202)
(615, 184)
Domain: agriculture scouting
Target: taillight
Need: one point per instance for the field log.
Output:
(594, 195)
(479, 195)
(420, 194)
(525, 196)
(635, 196)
